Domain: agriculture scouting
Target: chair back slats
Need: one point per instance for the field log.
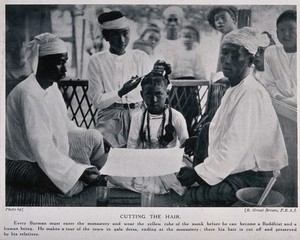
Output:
(189, 98)
(80, 109)
(182, 97)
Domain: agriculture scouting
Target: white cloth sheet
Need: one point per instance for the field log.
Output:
(125, 162)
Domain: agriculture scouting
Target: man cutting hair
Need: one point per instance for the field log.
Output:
(112, 89)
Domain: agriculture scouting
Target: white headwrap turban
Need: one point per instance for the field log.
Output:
(119, 23)
(247, 37)
(43, 45)
(263, 40)
(173, 10)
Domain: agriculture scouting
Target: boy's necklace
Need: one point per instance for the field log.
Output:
(162, 126)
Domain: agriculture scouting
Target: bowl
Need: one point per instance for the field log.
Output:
(249, 197)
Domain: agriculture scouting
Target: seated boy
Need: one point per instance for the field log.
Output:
(158, 126)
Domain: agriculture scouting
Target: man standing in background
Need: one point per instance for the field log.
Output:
(171, 44)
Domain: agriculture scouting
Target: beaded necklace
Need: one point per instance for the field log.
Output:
(164, 140)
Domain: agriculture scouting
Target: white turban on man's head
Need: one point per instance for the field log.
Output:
(173, 10)
(43, 45)
(247, 37)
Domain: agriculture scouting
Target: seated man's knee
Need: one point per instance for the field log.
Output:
(98, 156)
(95, 136)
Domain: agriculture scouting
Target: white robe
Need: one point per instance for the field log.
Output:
(37, 128)
(169, 49)
(280, 75)
(188, 64)
(178, 122)
(244, 134)
(108, 72)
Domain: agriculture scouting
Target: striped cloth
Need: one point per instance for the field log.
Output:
(26, 174)
(201, 148)
(86, 147)
(223, 194)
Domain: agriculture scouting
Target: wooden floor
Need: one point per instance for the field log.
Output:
(87, 198)
(24, 197)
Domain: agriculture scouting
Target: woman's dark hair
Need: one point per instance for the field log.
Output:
(105, 33)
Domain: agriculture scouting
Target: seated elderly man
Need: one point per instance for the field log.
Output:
(44, 149)
(245, 139)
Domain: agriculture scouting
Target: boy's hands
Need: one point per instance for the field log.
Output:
(129, 85)
(189, 145)
(290, 101)
(90, 175)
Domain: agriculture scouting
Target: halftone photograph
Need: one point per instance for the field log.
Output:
(151, 105)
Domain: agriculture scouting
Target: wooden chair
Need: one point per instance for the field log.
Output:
(215, 93)
(189, 97)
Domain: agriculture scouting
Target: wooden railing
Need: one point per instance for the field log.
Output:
(81, 110)
(176, 96)
(190, 98)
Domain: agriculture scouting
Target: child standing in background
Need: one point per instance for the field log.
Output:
(148, 41)
(188, 65)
